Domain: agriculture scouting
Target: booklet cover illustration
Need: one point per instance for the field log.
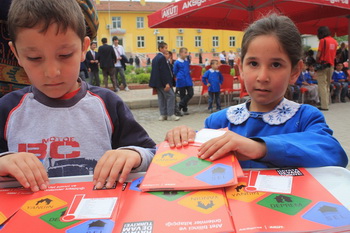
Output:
(181, 169)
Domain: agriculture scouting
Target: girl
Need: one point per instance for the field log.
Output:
(269, 130)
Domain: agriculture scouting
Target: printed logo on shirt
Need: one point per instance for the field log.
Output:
(56, 147)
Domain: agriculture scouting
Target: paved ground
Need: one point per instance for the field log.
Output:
(143, 106)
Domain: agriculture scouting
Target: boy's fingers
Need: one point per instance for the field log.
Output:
(126, 170)
(170, 138)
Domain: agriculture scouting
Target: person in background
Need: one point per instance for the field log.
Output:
(189, 58)
(305, 81)
(131, 60)
(92, 61)
(339, 83)
(269, 131)
(107, 59)
(162, 80)
(344, 53)
(231, 58)
(327, 49)
(148, 60)
(222, 57)
(213, 79)
(137, 62)
(120, 64)
(183, 80)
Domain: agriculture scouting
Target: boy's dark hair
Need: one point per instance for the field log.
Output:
(104, 40)
(282, 28)
(214, 61)
(182, 49)
(161, 45)
(93, 42)
(32, 13)
(114, 38)
(323, 32)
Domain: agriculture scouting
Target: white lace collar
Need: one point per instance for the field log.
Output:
(211, 70)
(284, 111)
(181, 60)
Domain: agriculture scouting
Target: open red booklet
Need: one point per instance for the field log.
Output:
(181, 169)
(284, 200)
(70, 208)
(173, 211)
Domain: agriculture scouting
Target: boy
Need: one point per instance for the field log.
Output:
(183, 80)
(213, 79)
(162, 80)
(60, 125)
(339, 83)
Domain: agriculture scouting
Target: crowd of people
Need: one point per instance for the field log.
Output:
(325, 78)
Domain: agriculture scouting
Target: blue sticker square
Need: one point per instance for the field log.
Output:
(218, 174)
(136, 184)
(328, 214)
(96, 225)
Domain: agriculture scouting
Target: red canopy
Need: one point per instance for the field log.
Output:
(238, 14)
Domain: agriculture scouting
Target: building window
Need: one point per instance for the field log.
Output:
(160, 39)
(179, 41)
(140, 41)
(215, 41)
(140, 22)
(232, 40)
(198, 41)
(116, 22)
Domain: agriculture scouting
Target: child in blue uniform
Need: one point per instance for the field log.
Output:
(305, 81)
(340, 83)
(213, 79)
(269, 130)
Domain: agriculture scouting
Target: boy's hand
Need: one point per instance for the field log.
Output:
(180, 136)
(244, 148)
(112, 163)
(26, 168)
(167, 88)
(208, 84)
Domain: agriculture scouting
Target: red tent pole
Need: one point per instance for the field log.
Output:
(348, 37)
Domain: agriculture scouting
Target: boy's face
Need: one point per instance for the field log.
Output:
(183, 54)
(339, 67)
(215, 66)
(93, 46)
(164, 49)
(51, 59)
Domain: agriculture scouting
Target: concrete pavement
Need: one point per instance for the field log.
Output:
(144, 107)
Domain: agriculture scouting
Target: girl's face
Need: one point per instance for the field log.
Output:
(267, 71)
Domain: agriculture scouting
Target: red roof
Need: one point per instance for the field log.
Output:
(130, 6)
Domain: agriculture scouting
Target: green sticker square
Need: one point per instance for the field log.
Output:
(170, 195)
(288, 204)
(53, 219)
(191, 166)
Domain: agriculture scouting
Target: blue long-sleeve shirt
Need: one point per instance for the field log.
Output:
(338, 75)
(215, 78)
(295, 135)
(182, 73)
(304, 77)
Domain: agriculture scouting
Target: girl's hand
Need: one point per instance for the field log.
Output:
(180, 136)
(244, 148)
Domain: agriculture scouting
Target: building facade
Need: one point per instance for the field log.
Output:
(128, 21)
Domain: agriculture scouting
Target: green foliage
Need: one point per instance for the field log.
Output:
(341, 38)
(129, 69)
(131, 78)
(139, 70)
(148, 69)
(143, 78)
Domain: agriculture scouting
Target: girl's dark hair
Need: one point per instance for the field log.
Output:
(323, 32)
(280, 26)
(32, 13)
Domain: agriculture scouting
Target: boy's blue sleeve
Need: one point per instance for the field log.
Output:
(176, 68)
(314, 146)
(205, 78)
(334, 77)
(221, 78)
(299, 80)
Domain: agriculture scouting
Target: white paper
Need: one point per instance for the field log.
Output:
(95, 208)
(274, 184)
(205, 135)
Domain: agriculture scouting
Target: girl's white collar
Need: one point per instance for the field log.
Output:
(284, 111)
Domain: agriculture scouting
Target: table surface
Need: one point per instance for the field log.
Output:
(335, 179)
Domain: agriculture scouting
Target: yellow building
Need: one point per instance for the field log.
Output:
(128, 20)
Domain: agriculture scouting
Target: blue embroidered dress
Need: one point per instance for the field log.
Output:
(295, 135)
